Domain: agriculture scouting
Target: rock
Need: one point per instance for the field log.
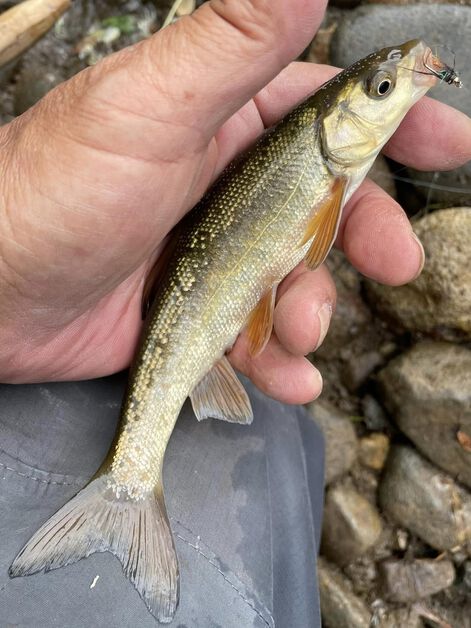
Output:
(351, 525)
(402, 618)
(357, 370)
(340, 439)
(318, 51)
(352, 316)
(31, 86)
(382, 175)
(404, 581)
(439, 301)
(467, 574)
(368, 28)
(429, 503)
(428, 392)
(340, 607)
(374, 450)
(374, 416)
(447, 614)
(449, 188)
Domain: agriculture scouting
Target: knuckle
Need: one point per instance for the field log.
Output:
(255, 20)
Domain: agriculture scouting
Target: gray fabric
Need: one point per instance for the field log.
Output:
(244, 504)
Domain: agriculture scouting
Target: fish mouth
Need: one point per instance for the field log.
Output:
(429, 68)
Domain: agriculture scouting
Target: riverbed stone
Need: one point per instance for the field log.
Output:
(352, 315)
(437, 303)
(381, 174)
(351, 526)
(340, 607)
(341, 443)
(428, 393)
(418, 496)
(407, 581)
(373, 450)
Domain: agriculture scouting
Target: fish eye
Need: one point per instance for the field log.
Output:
(380, 84)
(384, 87)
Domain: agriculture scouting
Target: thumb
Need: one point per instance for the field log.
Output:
(198, 72)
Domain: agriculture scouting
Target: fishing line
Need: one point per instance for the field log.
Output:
(425, 184)
(447, 74)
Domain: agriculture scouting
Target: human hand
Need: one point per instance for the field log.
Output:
(96, 174)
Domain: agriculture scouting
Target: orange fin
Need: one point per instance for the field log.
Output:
(220, 395)
(260, 322)
(323, 226)
(157, 271)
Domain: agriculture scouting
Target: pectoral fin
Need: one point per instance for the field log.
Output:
(260, 323)
(323, 226)
(220, 395)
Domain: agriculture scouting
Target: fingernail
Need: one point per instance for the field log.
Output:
(318, 383)
(324, 314)
(422, 255)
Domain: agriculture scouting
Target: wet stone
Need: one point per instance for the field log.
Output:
(404, 581)
(341, 443)
(374, 416)
(428, 392)
(359, 367)
(32, 86)
(340, 607)
(401, 618)
(467, 574)
(374, 450)
(419, 497)
(318, 51)
(382, 176)
(438, 302)
(352, 316)
(351, 525)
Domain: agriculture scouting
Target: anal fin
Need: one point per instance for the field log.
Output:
(220, 395)
(323, 226)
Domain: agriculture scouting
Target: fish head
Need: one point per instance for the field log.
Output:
(365, 103)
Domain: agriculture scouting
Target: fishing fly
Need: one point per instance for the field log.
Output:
(435, 67)
(442, 71)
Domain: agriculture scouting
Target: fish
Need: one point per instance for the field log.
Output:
(278, 204)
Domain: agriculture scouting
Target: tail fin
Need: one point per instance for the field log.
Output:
(95, 520)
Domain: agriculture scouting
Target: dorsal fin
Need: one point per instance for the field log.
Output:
(323, 225)
(260, 322)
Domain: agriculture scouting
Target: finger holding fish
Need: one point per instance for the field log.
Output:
(377, 237)
(277, 372)
(305, 303)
